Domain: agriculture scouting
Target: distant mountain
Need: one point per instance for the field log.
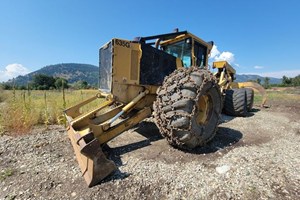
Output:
(248, 77)
(73, 72)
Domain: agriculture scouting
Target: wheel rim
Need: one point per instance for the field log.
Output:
(204, 106)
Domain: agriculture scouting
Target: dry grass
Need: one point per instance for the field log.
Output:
(3, 95)
(21, 110)
(288, 95)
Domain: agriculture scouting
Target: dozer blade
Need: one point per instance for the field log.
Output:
(88, 131)
(92, 161)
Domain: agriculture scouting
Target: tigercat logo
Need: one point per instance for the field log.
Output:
(123, 43)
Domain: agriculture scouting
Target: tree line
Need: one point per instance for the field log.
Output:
(45, 82)
(286, 81)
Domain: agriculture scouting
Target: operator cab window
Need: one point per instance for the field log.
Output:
(200, 54)
(181, 50)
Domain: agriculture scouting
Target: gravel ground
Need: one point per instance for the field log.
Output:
(256, 157)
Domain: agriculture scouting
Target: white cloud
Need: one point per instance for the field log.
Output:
(278, 74)
(258, 67)
(216, 55)
(12, 71)
(226, 55)
(214, 52)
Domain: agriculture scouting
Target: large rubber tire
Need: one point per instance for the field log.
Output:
(235, 103)
(250, 98)
(188, 107)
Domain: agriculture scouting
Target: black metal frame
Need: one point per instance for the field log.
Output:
(161, 37)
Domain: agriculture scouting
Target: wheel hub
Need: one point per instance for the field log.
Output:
(204, 109)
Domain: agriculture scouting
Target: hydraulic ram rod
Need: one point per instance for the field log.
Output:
(126, 108)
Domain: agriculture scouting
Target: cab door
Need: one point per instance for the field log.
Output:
(200, 54)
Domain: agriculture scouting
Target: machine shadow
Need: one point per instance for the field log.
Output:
(225, 138)
(147, 129)
(226, 118)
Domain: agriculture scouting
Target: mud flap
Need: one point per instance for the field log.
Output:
(92, 161)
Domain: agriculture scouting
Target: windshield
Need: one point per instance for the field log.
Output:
(181, 50)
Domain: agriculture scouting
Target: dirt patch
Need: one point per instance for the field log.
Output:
(288, 108)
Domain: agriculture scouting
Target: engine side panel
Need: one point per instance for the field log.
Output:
(126, 61)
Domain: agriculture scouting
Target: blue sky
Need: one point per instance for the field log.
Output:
(256, 37)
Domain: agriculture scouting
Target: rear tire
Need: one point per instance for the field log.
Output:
(250, 98)
(235, 103)
(188, 107)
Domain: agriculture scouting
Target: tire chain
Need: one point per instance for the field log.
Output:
(182, 76)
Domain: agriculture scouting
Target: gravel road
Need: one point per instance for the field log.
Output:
(256, 157)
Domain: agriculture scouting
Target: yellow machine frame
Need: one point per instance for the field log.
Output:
(89, 131)
(225, 76)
